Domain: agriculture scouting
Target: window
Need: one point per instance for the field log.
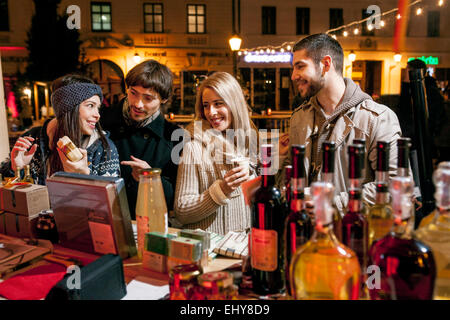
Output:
(365, 31)
(196, 18)
(336, 19)
(101, 16)
(153, 17)
(4, 17)
(269, 20)
(433, 24)
(302, 20)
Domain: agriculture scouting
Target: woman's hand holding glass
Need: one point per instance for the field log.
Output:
(80, 166)
(22, 152)
(233, 179)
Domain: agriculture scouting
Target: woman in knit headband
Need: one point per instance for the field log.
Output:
(76, 101)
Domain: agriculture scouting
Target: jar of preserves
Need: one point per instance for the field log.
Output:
(182, 281)
(217, 286)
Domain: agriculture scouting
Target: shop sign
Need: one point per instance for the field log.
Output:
(428, 60)
(268, 58)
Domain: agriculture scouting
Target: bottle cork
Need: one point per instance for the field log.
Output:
(70, 150)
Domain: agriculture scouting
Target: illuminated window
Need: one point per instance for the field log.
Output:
(153, 17)
(101, 16)
(196, 18)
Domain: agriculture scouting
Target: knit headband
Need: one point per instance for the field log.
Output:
(68, 97)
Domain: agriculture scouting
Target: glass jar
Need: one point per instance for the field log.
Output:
(217, 286)
(182, 281)
(151, 209)
(46, 226)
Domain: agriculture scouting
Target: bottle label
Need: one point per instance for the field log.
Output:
(142, 229)
(264, 249)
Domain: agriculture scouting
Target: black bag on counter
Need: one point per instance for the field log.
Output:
(102, 279)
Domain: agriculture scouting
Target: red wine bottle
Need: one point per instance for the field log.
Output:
(298, 226)
(266, 237)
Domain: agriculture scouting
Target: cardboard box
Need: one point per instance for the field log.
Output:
(92, 214)
(20, 226)
(185, 248)
(154, 261)
(27, 199)
(158, 242)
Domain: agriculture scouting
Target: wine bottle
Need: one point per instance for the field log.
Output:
(380, 214)
(266, 237)
(406, 265)
(403, 145)
(298, 226)
(436, 234)
(324, 268)
(329, 148)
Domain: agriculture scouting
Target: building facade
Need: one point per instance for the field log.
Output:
(191, 38)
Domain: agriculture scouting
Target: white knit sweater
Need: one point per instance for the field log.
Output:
(199, 200)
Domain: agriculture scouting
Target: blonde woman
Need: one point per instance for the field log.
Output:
(208, 194)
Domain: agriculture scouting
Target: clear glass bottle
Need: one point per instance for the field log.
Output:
(406, 265)
(324, 268)
(266, 236)
(151, 210)
(328, 154)
(436, 234)
(27, 175)
(298, 226)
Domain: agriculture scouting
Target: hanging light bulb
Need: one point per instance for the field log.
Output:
(345, 33)
(245, 52)
(369, 27)
(382, 23)
(261, 51)
(268, 50)
(419, 11)
(282, 50)
(397, 57)
(399, 16)
(356, 31)
(239, 53)
(440, 3)
(289, 47)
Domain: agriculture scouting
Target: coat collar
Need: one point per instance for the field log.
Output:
(157, 125)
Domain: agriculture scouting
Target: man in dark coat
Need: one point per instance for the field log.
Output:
(140, 131)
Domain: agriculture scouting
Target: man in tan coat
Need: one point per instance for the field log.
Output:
(337, 110)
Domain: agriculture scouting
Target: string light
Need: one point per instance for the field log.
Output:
(399, 16)
(355, 25)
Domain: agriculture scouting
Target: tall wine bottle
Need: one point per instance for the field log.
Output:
(380, 214)
(298, 227)
(266, 236)
(329, 148)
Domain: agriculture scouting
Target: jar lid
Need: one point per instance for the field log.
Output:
(221, 279)
(150, 171)
(185, 271)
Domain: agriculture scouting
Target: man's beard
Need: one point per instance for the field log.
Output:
(315, 85)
